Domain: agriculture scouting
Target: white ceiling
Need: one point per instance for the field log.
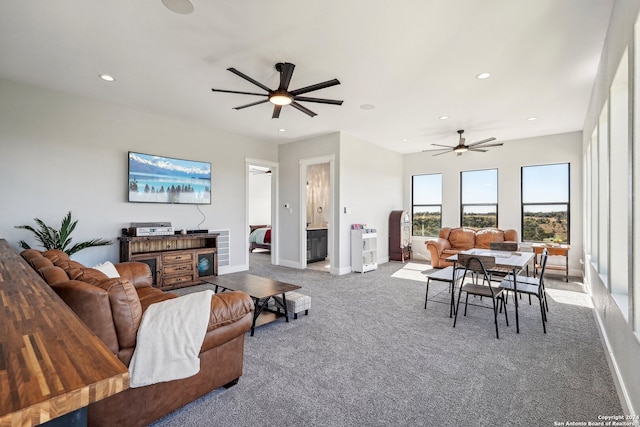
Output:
(414, 60)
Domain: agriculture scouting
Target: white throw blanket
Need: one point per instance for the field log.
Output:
(169, 339)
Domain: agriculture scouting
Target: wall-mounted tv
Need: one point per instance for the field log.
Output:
(157, 179)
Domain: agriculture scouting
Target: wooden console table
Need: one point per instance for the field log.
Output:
(175, 261)
(552, 250)
(51, 364)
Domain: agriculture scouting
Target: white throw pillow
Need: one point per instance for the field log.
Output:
(108, 269)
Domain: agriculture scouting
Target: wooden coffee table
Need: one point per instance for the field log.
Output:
(261, 290)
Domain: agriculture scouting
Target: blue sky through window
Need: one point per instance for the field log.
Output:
(427, 189)
(480, 187)
(545, 184)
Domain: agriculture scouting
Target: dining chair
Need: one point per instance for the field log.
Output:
(531, 286)
(480, 265)
(499, 273)
(503, 246)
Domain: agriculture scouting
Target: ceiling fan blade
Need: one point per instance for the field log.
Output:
(285, 75)
(481, 142)
(244, 76)
(491, 145)
(317, 86)
(477, 149)
(440, 145)
(276, 111)
(318, 100)
(303, 109)
(444, 152)
(250, 105)
(238, 92)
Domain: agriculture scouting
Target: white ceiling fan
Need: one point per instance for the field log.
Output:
(463, 148)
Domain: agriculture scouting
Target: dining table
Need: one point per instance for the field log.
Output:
(512, 261)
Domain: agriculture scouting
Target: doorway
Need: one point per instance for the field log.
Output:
(316, 213)
(261, 220)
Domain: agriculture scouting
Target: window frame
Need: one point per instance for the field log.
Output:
(567, 203)
(413, 205)
(496, 204)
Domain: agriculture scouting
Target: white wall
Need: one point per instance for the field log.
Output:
(259, 199)
(63, 153)
(367, 180)
(621, 335)
(290, 225)
(370, 187)
(508, 159)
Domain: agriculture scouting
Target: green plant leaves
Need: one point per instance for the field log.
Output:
(50, 238)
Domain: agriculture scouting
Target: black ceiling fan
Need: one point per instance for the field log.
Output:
(282, 95)
(463, 148)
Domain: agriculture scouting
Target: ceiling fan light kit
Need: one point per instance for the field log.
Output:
(282, 96)
(463, 148)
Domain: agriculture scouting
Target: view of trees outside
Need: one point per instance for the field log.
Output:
(427, 221)
(479, 198)
(545, 203)
(541, 224)
(427, 204)
(480, 216)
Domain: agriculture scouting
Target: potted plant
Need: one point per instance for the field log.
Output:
(50, 238)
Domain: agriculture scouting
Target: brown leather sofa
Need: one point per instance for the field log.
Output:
(113, 308)
(453, 240)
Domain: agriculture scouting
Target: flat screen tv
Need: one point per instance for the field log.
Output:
(157, 179)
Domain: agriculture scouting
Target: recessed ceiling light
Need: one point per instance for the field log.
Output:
(183, 7)
(532, 119)
(281, 130)
(443, 117)
(107, 77)
(483, 76)
(367, 107)
(404, 140)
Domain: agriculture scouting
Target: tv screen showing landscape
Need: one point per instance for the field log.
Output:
(157, 179)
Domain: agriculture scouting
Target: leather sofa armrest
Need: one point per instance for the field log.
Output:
(231, 316)
(228, 307)
(91, 304)
(436, 247)
(138, 273)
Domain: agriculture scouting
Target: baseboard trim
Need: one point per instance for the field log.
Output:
(290, 264)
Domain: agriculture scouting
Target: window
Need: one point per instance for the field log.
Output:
(620, 189)
(427, 204)
(545, 203)
(479, 198)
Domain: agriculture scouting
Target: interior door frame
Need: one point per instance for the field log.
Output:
(275, 197)
(331, 227)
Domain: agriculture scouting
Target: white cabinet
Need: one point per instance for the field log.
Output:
(364, 255)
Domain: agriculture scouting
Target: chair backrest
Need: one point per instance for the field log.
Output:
(543, 263)
(476, 263)
(504, 246)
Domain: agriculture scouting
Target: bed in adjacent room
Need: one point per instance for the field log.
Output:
(260, 237)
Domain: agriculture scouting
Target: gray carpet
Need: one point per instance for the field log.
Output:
(369, 354)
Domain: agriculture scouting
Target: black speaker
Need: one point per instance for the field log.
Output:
(205, 264)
